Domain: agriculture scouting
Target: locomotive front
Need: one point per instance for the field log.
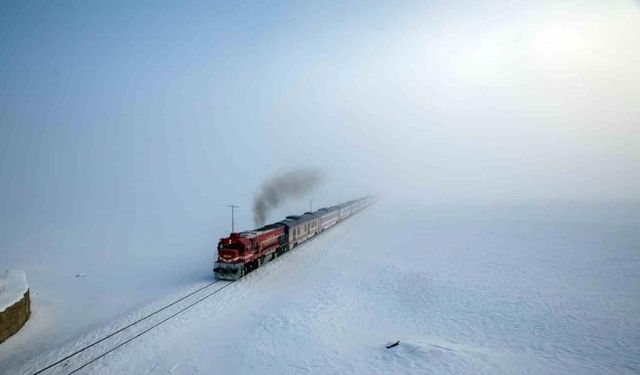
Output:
(231, 251)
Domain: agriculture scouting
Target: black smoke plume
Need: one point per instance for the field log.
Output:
(282, 187)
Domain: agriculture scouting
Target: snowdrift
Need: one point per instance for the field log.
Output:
(15, 304)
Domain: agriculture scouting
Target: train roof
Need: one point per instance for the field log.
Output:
(265, 228)
(325, 210)
(298, 219)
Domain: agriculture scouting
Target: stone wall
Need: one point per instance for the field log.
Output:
(14, 317)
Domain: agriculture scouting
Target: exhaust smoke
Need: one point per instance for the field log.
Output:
(283, 187)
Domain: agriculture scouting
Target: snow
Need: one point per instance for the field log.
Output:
(13, 286)
(82, 278)
(465, 290)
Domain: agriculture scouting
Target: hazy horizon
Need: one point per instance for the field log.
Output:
(126, 114)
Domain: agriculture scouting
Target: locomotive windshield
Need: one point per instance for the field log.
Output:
(232, 246)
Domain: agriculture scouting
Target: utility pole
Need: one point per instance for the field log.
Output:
(310, 205)
(232, 208)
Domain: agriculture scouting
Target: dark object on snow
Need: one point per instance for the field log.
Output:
(394, 344)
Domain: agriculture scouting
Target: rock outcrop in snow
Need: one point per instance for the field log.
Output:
(15, 304)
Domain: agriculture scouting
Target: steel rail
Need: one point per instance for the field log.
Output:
(122, 329)
(148, 329)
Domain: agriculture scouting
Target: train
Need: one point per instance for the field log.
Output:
(243, 252)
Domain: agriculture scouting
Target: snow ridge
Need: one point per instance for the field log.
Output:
(13, 285)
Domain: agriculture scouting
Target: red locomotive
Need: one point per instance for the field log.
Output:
(241, 253)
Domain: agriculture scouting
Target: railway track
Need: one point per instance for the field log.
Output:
(88, 354)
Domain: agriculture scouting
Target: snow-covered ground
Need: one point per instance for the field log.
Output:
(465, 290)
(13, 286)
